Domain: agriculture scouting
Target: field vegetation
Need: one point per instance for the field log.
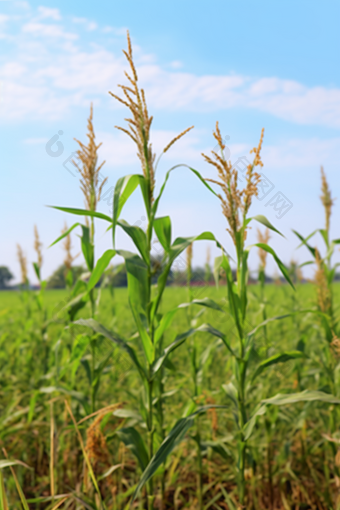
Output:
(158, 396)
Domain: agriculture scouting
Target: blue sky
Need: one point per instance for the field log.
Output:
(249, 65)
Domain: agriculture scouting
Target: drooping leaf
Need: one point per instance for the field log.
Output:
(207, 328)
(138, 236)
(207, 302)
(82, 212)
(11, 462)
(304, 396)
(285, 316)
(277, 358)
(220, 448)
(280, 264)
(264, 221)
(114, 337)
(195, 172)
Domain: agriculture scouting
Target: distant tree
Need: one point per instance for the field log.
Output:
(58, 279)
(5, 277)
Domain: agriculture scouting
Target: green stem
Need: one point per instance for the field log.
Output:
(200, 465)
(198, 430)
(150, 437)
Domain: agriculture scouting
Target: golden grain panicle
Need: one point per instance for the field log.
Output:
(139, 124)
(326, 198)
(23, 265)
(235, 202)
(86, 163)
(37, 247)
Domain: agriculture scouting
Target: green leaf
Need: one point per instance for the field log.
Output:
(138, 236)
(249, 426)
(244, 282)
(280, 317)
(234, 300)
(114, 337)
(101, 265)
(9, 463)
(78, 350)
(162, 227)
(306, 263)
(134, 441)
(128, 413)
(125, 186)
(277, 358)
(204, 182)
(170, 442)
(207, 328)
(304, 396)
(282, 267)
(82, 212)
(231, 504)
(179, 340)
(164, 324)
(37, 270)
(87, 247)
(231, 391)
(64, 234)
(265, 222)
(179, 245)
(304, 241)
(207, 302)
(138, 288)
(324, 235)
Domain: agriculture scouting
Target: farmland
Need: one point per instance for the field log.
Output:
(292, 458)
(155, 396)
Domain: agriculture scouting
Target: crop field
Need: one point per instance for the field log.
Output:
(290, 462)
(223, 395)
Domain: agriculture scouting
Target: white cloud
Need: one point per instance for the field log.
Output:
(286, 157)
(44, 30)
(47, 68)
(305, 154)
(3, 18)
(47, 12)
(35, 141)
(176, 64)
(89, 25)
(119, 150)
(121, 31)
